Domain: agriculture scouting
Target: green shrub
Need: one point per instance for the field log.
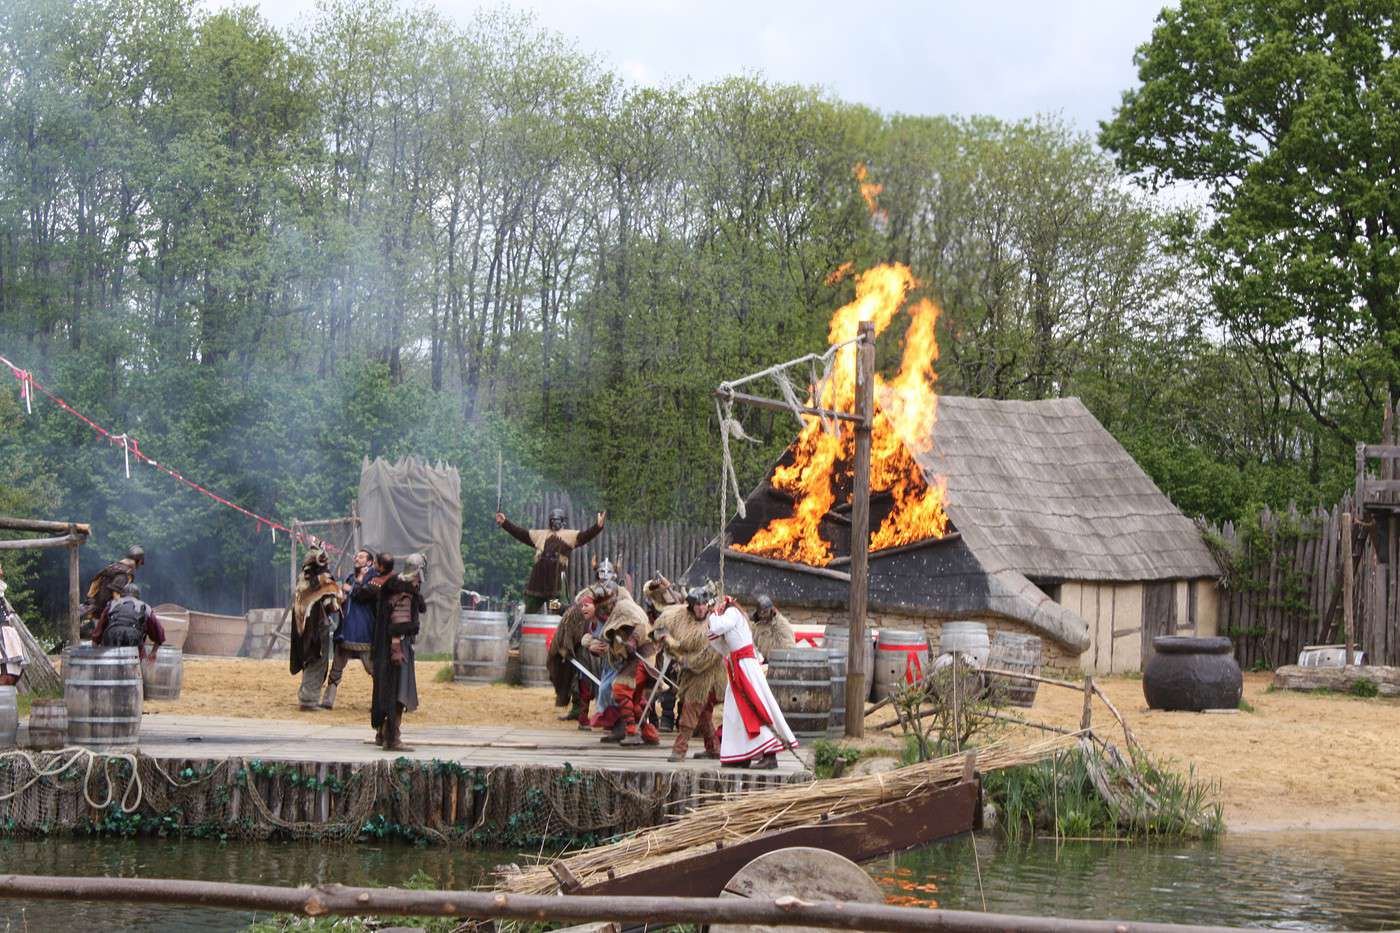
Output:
(1365, 688)
(825, 755)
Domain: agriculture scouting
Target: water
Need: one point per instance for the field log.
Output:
(1305, 880)
(1321, 880)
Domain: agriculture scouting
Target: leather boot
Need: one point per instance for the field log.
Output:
(632, 740)
(768, 762)
(617, 734)
(328, 698)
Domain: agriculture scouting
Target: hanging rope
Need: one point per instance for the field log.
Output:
(819, 370)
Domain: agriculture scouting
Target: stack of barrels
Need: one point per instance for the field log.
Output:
(102, 691)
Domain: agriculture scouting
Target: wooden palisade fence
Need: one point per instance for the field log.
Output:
(1282, 584)
(641, 549)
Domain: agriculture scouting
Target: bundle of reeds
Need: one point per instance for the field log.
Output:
(735, 820)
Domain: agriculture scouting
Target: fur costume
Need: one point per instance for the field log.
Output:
(774, 635)
(315, 599)
(619, 614)
(688, 642)
(562, 650)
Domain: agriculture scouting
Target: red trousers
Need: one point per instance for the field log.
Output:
(627, 708)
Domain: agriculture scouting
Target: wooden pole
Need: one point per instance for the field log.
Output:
(355, 522)
(74, 590)
(39, 544)
(856, 690)
(737, 911)
(1348, 576)
(292, 547)
(33, 524)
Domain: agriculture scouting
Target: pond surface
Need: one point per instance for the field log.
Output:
(1322, 880)
(1305, 880)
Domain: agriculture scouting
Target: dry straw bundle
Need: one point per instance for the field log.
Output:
(736, 820)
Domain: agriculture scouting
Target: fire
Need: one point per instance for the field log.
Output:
(868, 189)
(906, 409)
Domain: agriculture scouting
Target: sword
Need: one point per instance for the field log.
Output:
(659, 675)
(660, 679)
(498, 479)
(585, 671)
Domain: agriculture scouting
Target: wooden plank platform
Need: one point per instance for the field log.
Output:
(166, 735)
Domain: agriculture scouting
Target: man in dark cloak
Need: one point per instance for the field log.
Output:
(398, 607)
(552, 545)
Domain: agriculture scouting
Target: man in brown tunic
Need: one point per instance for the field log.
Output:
(552, 545)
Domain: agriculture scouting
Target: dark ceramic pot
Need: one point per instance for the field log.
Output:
(1192, 674)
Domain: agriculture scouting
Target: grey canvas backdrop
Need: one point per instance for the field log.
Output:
(411, 506)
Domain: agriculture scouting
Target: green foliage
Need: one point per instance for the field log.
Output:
(825, 755)
(1058, 796)
(269, 254)
(1279, 110)
(1365, 688)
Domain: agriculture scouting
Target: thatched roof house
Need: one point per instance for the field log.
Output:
(1057, 532)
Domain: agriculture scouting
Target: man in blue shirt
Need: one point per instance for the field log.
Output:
(352, 639)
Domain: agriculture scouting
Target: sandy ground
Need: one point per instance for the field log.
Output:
(1296, 762)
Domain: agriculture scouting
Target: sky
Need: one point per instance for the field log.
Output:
(1007, 58)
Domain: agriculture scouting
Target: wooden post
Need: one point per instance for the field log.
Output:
(292, 546)
(1086, 718)
(355, 522)
(1348, 608)
(74, 588)
(1358, 503)
(856, 690)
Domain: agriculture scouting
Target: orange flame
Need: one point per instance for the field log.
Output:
(837, 275)
(906, 409)
(868, 189)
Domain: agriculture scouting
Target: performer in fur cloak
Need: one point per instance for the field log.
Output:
(552, 545)
(626, 648)
(315, 612)
(701, 679)
(771, 629)
(399, 605)
(754, 727)
(571, 687)
(108, 584)
(657, 594)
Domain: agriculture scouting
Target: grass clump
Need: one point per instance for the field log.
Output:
(444, 675)
(1064, 796)
(825, 755)
(1364, 688)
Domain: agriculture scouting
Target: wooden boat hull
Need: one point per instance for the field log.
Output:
(889, 827)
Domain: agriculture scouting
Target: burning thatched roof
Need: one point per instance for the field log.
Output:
(1036, 491)
(1043, 489)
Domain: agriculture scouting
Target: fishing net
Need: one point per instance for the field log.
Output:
(432, 801)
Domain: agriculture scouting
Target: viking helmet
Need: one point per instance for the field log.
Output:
(132, 590)
(137, 553)
(697, 596)
(763, 608)
(606, 572)
(558, 518)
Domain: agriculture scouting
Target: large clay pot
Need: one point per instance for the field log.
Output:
(1189, 673)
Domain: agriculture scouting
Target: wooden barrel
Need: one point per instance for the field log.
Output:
(48, 724)
(536, 634)
(1011, 651)
(164, 674)
(175, 619)
(102, 691)
(837, 638)
(9, 716)
(800, 679)
(809, 635)
(901, 659)
(837, 661)
(967, 638)
(482, 647)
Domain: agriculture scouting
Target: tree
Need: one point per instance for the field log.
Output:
(1286, 113)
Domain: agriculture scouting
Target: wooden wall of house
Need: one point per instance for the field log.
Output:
(1123, 618)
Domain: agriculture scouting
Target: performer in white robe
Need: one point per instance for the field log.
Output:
(754, 727)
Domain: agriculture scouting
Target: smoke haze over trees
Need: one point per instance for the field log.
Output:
(269, 254)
